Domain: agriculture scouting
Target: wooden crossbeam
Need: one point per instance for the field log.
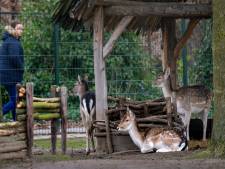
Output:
(182, 41)
(116, 34)
(177, 10)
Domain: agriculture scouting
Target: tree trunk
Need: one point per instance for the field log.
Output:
(218, 136)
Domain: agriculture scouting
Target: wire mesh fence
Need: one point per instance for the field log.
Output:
(54, 56)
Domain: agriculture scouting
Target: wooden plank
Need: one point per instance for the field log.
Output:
(176, 10)
(116, 34)
(63, 96)
(100, 72)
(29, 99)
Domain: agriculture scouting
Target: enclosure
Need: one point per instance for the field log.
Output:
(54, 55)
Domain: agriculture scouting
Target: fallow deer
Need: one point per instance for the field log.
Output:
(156, 139)
(87, 110)
(190, 99)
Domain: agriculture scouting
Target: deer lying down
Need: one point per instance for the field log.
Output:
(87, 110)
(159, 139)
(190, 99)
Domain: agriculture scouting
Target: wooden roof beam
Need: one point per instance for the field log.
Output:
(116, 34)
(163, 9)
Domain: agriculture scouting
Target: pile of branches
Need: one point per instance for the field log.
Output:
(149, 114)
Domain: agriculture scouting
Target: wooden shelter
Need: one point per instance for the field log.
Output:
(8, 10)
(140, 16)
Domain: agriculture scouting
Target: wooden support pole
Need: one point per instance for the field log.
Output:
(29, 99)
(169, 41)
(53, 124)
(169, 111)
(108, 135)
(63, 96)
(116, 34)
(100, 72)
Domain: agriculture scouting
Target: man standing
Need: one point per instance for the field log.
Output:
(11, 64)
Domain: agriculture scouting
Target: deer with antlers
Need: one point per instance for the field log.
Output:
(190, 99)
(156, 139)
(87, 110)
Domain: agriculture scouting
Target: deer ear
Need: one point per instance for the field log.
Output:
(167, 73)
(78, 78)
(131, 113)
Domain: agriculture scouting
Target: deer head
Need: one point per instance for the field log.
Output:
(127, 121)
(162, 79)
(80, 87)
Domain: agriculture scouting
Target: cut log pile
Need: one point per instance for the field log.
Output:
(149, 114)
(43, 108)
(13, 137)
(16, 138)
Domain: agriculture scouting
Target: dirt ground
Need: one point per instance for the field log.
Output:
(131, 160)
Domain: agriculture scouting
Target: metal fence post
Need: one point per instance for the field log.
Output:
(56, 41)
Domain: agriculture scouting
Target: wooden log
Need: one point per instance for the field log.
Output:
(47, 100)
(12, 146)
(13, 155)
(45, 105)
(47, 116)
(8, 132)
(12, 138)
(22, 117)
(149, 120)
(151, 125)
(20, 111)
(29, 105)
(57, 110)
(9, 125)
(63, 98)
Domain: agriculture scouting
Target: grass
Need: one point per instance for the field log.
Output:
(75, 143)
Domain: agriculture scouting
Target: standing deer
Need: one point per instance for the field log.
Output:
(159, 139)
(190, 99)
(87, 110)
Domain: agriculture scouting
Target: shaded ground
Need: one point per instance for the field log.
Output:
(131, 160)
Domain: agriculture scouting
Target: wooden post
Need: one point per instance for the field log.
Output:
(29, 101)
(53, 124)
(63, 111)
(169, 41)
(169, 111)
(108, 135)
(100, 73)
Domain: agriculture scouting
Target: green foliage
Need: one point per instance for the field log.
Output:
(202, 71)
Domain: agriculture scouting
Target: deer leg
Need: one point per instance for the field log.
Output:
(204, 120)
(187, 123)
(87, 142)
(92, 142)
